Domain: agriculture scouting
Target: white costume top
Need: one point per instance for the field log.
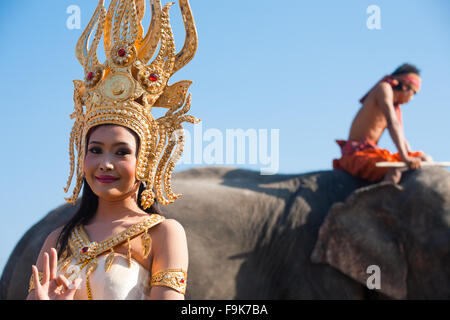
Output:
(121, 282)
(125, 279)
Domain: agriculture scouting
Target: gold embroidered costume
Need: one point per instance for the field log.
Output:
(108, 275)
(123, 91)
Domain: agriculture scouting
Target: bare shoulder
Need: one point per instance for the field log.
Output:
(51, 240)
(49, 243)
(54, 235)
(383, 90)
(170, 246)
(169, 228)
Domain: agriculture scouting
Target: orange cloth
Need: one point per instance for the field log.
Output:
(359, 159)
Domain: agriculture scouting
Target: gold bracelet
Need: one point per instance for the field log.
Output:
(172, 278)
(31, 285)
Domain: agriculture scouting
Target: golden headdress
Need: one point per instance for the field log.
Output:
(127, 86)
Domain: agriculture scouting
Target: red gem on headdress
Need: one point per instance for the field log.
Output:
(153, 77)
(84, 250)
(182, 280)
(121, 52)
(90, 76)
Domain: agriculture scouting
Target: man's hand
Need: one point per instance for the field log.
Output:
(413, 162)
(427, 158)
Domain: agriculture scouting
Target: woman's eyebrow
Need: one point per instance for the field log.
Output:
(115, 144)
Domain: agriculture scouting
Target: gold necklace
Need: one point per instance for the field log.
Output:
(85, 251)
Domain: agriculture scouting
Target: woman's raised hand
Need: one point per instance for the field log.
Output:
(53, 287)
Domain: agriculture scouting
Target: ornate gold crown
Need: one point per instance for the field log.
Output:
(126, 87)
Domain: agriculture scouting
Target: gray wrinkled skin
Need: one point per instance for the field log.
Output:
(252, 236)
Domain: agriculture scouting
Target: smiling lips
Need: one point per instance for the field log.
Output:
(106, 179)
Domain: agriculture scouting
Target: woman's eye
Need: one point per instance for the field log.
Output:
(123, 152)
(95, 150)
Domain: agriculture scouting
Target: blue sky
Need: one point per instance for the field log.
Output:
(299, 67)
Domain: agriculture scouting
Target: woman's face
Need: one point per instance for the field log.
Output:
(110, 162)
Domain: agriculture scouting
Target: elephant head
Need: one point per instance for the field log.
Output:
(404, 230)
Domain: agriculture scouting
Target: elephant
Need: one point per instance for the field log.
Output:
(294, 236)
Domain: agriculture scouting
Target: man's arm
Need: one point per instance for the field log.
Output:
(384, 97)
(423, 157)
(407, 146)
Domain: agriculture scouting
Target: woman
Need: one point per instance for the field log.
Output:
(112, 152)
(117, 245)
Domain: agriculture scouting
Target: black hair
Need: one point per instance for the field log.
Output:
(89, 204)
(406, 68)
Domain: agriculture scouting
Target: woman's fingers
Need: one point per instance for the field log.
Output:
(73, 287)
(37, 283)
(69, 289)
(53, 263)
(62, 281)
(46, 268)
(58, 287)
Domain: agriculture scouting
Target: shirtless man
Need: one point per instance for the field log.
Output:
(380, 111)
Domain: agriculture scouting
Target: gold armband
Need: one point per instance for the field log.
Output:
(31, 285)
(172, 278)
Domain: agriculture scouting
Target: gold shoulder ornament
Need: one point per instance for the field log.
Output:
(128, 85)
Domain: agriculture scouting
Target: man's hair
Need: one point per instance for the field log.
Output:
(406, 68)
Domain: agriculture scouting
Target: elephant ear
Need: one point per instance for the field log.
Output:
(365, 231)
